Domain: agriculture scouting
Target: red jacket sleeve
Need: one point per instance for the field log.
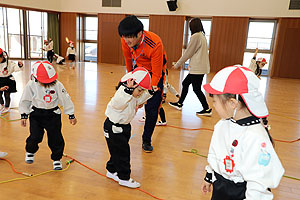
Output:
(157, 64)
(127, 55)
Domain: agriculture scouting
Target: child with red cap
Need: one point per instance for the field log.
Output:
(120, 111)
(71, 53)
(7, 67)
(242, 163)
(256, 65)
(40, 100)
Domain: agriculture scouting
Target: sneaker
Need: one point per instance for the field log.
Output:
(29, 158)
(113, 176)
(129, 183)
(57, 165)
(1, 107)
(161, 123)
(3, 154)
(143, 119)
(147, 147)
(207, 112)
(4, 110)
(176, 105)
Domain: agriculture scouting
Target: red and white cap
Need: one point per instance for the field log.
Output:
(239, 80)
(263, 60)
(71, 42)
(44, 72)
(141, 76)
(1, 51)
(45, 41)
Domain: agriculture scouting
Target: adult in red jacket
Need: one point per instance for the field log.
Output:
(145, 49)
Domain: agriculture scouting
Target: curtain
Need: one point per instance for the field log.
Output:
(53, 30)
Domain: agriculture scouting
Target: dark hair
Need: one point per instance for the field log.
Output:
(47, 85)
(196, 26)
(225, 97)
(130, 26)
(5, 58)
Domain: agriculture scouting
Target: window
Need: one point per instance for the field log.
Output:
(263, 40)
(15, 33)
(90, 38)
(37, 33)
(145, 21)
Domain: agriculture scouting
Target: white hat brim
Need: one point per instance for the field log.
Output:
(256, 104)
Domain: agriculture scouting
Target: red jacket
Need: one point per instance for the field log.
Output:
(150, 54)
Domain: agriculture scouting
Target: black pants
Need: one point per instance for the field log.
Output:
(117, 138)
(162, 114)
(6, 97)
(50, 55)
(41, 119)
(224, 189)
(196, 81)
(151, 110)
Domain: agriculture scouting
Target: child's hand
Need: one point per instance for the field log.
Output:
(23, 122)
(206, 187)
(4, 88)
(130, 83)
(73, 121)
(20, 64)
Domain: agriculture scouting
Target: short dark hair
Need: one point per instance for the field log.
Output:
(196, 26)
(130, 26)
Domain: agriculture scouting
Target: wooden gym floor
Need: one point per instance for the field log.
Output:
(167, 173)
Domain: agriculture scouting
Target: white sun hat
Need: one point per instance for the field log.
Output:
(239, 80)
(141, 76)
(44, 72)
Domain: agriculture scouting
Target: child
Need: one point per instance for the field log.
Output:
(117, 129)
(40, 100)
(257, 65)
(59, 59)
(242, 161)
(71, 53)
(3, 154)
(49, 48)
(7, 67)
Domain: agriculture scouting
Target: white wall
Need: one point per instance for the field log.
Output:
(252, 8)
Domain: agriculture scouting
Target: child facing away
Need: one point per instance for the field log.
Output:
(7, 67)
(120, 111)
(242, 163)
(257, 65)
(49, 48)
(40, 100)
(71, 53)
(3, 154)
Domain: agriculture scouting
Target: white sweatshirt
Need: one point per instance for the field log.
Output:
(255, 159)
(49, 47)
(36, 95)
(59, 58)
(253, 65)
(168, 87)
(197, 52)
(71, 50)
(122, 107)
(11, 67)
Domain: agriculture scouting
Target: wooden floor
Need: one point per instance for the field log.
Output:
(167, 173)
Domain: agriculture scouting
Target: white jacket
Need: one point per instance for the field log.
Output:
(254, 157)
(197, 52)
(122, 107)
(36, 95)
(11, 67)
(71, 50)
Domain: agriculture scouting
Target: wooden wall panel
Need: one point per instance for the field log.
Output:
(170, 29)
(67, 22)
(286, 62)
(109, 43)
(227, 41)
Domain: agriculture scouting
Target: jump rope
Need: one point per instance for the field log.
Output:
(68, 162)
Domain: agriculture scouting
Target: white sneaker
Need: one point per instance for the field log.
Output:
(57, 165)
(143, 119)
(1, 107)
(129, 183)
(4, 110)
(29, 158)
(160, 123)
(3, 154)
(113, 176)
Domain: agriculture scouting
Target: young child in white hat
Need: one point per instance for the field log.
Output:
(40, 100)
(242, 163)
(71, 53)
(134, 90)
(256, 65)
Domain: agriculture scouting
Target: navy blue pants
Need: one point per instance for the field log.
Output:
(151, 110)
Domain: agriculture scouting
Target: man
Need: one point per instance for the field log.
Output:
(145, 49)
